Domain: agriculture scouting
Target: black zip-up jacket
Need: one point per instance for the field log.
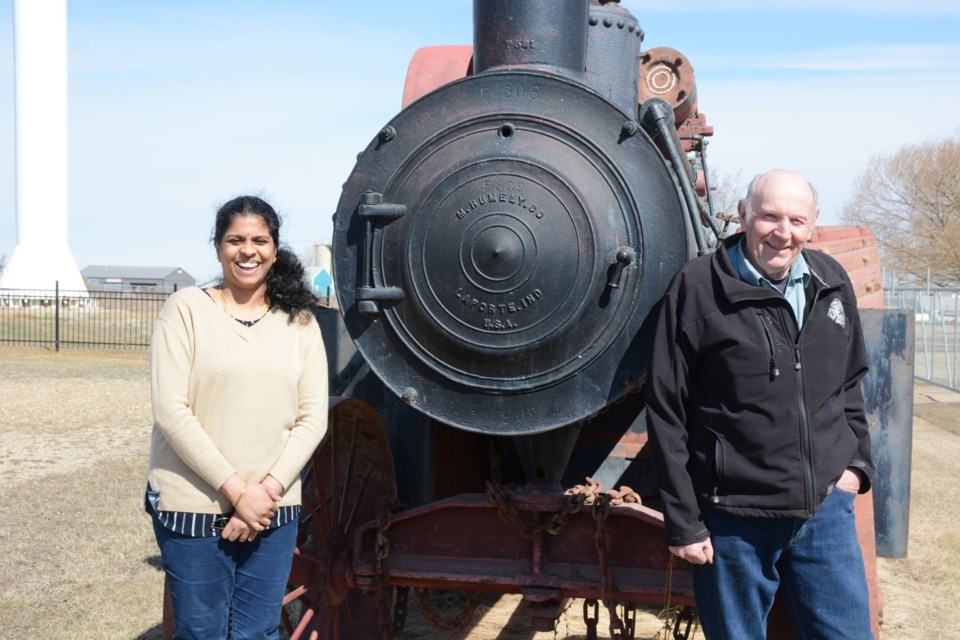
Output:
(747, 415)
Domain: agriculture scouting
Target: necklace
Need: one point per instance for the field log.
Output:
(249, 323)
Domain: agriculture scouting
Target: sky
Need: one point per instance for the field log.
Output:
(175, 106)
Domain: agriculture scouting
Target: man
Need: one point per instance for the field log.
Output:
(757, 425)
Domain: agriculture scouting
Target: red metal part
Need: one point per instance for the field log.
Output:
(432, 67)
(349, 478)
(465, 543)
(855, 248)
(692, 130)
(667, 74)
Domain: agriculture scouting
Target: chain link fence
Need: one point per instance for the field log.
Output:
(936, 312)
(78, 319)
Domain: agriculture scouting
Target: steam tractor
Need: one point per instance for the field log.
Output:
(497, 251)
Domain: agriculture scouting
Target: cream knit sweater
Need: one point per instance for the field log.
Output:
(229, 398)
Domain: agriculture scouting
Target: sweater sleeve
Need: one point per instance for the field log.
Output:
(313, 395)
(667, 392)
(171, 358)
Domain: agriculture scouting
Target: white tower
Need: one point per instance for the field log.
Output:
(41, 257)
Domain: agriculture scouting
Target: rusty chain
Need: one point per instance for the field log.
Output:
(590, 493)
(672, 616)
(509, 514)
(591, 619)
(592, 489)
(600, 514)
(388, 626)
(688, 615)
(629, 620)
(431, 616)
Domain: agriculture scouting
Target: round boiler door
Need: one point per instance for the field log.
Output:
(518, 243)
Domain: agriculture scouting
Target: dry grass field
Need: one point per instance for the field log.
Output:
(77, 557)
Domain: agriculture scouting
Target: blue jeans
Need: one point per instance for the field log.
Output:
(219, 586)
(816, 562)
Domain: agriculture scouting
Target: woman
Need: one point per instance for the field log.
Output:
(239, 392)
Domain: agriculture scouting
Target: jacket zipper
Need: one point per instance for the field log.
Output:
(774, 369)
(805, 445)
(718, 470)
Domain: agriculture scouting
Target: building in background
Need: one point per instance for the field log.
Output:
(138, 279)
(320, 275)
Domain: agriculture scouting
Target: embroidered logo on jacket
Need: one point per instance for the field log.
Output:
(835, 312)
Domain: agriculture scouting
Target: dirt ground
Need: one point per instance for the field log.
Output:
(78, 558)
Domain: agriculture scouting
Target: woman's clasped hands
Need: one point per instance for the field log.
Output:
(254, 507)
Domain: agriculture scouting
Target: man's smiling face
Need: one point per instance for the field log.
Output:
(779, 220)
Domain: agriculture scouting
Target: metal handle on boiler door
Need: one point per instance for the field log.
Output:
(372, 208)
(625, 255)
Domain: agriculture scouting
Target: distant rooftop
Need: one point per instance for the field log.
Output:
(115, 271)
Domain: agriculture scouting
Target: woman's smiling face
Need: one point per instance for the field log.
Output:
(246, 253)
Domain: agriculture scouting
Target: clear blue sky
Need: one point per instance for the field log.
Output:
(177, 105)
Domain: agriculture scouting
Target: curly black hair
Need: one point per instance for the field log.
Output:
(286, 286)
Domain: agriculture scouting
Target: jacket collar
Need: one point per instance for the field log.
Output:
(736, 290)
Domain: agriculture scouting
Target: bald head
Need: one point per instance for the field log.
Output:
(778, 179)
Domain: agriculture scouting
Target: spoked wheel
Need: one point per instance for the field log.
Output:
(349, 478)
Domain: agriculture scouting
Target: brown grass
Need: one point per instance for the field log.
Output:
(78, 558)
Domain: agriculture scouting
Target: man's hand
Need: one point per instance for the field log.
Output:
(849, 481)
(696, 553)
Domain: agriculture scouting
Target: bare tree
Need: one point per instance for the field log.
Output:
(726, 189)
(911, 202)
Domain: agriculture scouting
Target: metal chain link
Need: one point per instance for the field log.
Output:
(509, 514)
(629, 620)
(590, 620)
(600, 515)
(672, 615)
(593, 488)
(388, 626)
(688, 615)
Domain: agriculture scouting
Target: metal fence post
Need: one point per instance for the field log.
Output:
(56, 316)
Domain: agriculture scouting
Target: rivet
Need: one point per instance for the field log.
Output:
(409, 395)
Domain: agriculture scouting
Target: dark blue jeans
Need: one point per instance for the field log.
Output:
(217, 585)
(816, 562)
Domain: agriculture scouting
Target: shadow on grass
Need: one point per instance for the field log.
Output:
(154, 633)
